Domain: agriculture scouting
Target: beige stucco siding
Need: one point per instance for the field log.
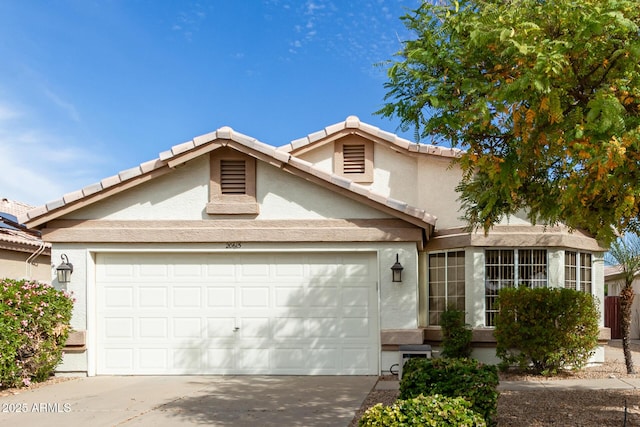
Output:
(436, 183)
(284, 196)
(184, 193)
(13, 265)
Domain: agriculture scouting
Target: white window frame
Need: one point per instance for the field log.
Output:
(446, 283)
(580, 267)
(513, 269)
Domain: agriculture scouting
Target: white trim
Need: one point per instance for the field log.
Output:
(92, 322)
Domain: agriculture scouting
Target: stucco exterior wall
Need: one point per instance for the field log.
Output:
(183, 195)
(284, 196)
(436, 182)
(13, 265)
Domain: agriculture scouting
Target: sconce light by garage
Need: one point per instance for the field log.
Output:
(396, 271)
(64, 270)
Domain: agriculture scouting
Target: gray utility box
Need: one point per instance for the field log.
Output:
(406, 352)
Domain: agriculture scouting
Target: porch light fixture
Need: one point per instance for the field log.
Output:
(396, 271)
(64, 270)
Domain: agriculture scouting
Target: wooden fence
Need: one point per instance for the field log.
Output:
(612, 316)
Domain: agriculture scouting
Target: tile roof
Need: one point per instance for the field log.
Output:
(13, 207)
(224, 136)
(353, 122)
(14, 239)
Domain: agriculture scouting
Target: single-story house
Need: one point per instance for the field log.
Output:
(615, 282)
(226, 255)
(23, 254)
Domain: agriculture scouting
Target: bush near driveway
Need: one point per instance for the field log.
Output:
(466, 378)
(546, 329)
(34, 326)
(423, 411)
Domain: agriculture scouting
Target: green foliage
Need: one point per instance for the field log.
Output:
(625, 252)
(546, 329)
(34, 327)
(543, 96)
(465, 378)
(423, 411)
(456, 334)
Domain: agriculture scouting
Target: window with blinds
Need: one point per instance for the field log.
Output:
(353, 158)
(233, 177)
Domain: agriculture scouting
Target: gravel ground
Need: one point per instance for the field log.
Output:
(538, 408)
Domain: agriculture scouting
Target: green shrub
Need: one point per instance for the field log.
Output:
(34, 327)
(546, 329)
(466, 378)
(456, 334)
(423, 411)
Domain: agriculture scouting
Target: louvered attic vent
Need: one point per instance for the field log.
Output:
(353, 158)
(233, 177)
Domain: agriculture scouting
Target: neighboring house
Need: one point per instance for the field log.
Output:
(23, 254)
(615, 282)
(226, 255)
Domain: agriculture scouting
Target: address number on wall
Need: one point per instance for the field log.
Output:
(234, 245)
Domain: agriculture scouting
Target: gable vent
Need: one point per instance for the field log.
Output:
(233, 177)
(353, 158)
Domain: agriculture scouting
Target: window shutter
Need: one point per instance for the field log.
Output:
(233, 177)
(353, 158)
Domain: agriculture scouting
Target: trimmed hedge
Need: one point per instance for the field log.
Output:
(34, 326)
(456, 334)
(423, 411)
(466, 378)
(546, 329)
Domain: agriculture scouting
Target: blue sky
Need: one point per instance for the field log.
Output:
(90, 88)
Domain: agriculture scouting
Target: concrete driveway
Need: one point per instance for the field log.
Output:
(255, 401)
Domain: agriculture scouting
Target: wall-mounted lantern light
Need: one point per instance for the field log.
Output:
(64, 270)
(396, 271)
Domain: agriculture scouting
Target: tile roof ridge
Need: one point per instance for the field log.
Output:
(354, 122)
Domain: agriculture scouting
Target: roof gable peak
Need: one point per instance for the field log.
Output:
(352, 125)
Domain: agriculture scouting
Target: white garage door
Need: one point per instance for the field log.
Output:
(237, 313)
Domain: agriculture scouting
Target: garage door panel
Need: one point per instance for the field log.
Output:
(187, 327)
(152, 297)
(221, 327)
(187, 360)
(289, 327)
(221, 358)
(289, 297)
(324, 297)
(321, 328)
(236, 314)
(119, 327)
(254, 296)
(253, 359)
(254, 327)
(153, 327)
(153, 269)
(153, 359)
(119, 359)
(119, 297)
(223, 296)
(187, 296)
(355, 328)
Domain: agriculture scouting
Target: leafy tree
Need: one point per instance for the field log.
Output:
(625, 252)
(544, 98)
